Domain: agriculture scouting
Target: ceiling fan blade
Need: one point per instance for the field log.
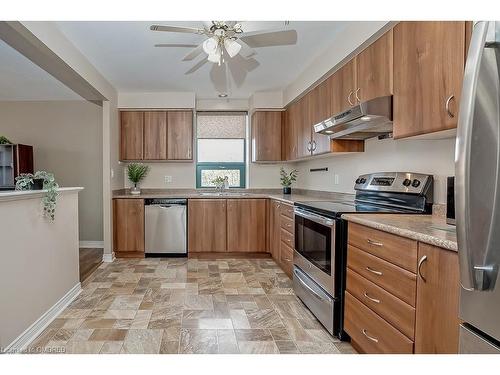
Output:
(245, 51)
(194, 53)
(237, 70)
(271, 38)
(177, 29)
(197, 66)
(176, 45)
(218, 76)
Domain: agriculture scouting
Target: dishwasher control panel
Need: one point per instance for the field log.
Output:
(165, 201)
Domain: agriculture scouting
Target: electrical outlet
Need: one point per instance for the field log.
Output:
(168, 179)
(335, 179)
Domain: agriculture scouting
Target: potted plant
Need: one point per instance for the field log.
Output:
(287, 179)
(136, 173)
(37, 181)
(4, 141)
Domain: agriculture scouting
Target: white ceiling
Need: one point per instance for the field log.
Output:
(22, 80)
(124, 53)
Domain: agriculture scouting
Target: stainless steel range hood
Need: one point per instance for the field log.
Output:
(365, 120)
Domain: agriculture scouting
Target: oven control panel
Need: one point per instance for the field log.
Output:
(394, 182)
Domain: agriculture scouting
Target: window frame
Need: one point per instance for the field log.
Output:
(241, 166)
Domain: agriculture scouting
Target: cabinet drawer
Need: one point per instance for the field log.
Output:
(392, 278)
(287, 224)
(287, 210)
(395, 249)
(288, 238)
(372, 333)
(286, 258)
(395, 311)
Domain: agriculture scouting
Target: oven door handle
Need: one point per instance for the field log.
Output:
(313, 217)
(311, 290)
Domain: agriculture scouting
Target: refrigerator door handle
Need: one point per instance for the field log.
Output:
(478, 261)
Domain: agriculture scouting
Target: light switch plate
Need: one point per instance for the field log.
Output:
(335, 179)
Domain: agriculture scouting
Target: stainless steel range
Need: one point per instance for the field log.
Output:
(321, 237)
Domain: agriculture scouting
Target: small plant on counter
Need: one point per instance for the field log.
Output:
(41, 180)
(136, 173)
(287, 179)
(4, 141)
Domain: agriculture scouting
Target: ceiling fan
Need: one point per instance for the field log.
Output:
(227, 39)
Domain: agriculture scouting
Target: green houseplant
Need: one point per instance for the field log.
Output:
(136, 173)
(41, 180)
(4, 141)
(287, 179)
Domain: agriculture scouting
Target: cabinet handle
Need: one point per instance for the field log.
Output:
(356, 95)
(314, 145)
(420, 262)
(368, 336)
(288, 260)
(371, 299)
(447, 106)
(309, 146)
(374, 271)
(349, 98)
(374, 243)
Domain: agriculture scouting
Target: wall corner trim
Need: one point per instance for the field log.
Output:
(108, 258)
(33, 331)
(91, 244)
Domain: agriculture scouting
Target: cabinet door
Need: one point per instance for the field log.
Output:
(128, 225)
(275, 229)
(180, 135)
(320, 107)
(437, 323)
(266, 136)
(155, 135)
(304, 127)
(374, 69)
(131, 135)
(342, 85)
(428, 73)
(207, 225)
(246, 225)
(290, 131)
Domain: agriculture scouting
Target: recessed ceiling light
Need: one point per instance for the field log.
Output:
(222, 95)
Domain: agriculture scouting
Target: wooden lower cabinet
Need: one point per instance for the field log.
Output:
(389, 309)
(246, 225)
(438, 290)
(206, 225)
(128, 224)
(281, 235)
(274, 229)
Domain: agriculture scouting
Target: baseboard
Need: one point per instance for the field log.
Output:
(92, 244)
(33, 331)
(108, 258)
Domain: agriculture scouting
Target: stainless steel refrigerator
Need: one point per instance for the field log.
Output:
(477, 193)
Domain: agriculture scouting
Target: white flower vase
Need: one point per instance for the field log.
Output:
(135, 190)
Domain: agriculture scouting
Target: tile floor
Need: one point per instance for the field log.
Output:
(187, 306)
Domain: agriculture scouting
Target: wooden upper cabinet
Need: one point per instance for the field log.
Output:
(155, 135)
(304, 125)
(342, 85)
(266, 136)
(207, 225)
(438, 290)
(246, 225)
(428, 71)
(320, 107)
(179, 135)
(290, 137)
(131, 135)
(374, 69)
(128, 225)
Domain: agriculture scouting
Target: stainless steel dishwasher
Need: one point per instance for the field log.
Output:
(165, 227)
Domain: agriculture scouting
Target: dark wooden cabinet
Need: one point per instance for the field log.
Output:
(155, 135)
(438, 290)
(180, 135)
(374, 67)
(207, 225)
(128, 225)
(131, 135)
(266, 136)
(428, 71)
(246, 225)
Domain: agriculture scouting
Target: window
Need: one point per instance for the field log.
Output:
(220, 142)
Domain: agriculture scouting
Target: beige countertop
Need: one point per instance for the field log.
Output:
(424, 228)
(299, 196)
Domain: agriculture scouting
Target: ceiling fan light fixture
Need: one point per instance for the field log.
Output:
(214, 57)
(232, 47)
(210, 45)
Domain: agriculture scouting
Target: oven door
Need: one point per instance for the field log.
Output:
(314, 247)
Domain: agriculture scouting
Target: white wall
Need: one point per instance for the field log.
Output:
(67, 141)
(434, 157)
